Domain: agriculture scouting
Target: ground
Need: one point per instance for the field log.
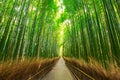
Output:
(59, 72)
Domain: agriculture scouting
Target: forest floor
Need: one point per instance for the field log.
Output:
(59, 72)
(27, 69)
(56, 69)
(91, 71)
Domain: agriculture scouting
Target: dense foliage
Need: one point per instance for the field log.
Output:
(27, 29)
(94, 31)
(88, 29)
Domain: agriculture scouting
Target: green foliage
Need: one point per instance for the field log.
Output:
(27, 29)
(82, 28)
(94, 32)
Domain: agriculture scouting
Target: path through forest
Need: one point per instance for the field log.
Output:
(59, 72)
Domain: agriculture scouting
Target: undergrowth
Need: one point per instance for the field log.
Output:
(93, 69)
(25, 70)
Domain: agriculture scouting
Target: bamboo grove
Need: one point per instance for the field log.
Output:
(94, 31)
(87, 29)
(27, 29)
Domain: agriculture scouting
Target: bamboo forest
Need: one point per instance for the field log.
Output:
(59, 39)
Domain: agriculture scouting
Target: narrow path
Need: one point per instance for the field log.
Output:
(59, 72)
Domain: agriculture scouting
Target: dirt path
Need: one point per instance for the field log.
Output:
(59, 72)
